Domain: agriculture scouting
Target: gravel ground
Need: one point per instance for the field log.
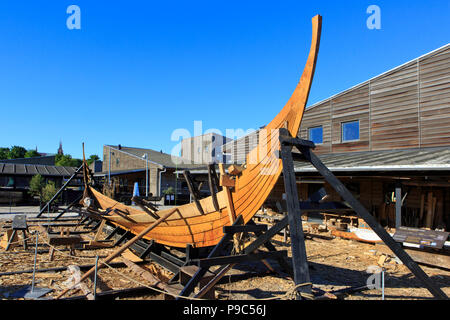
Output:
(334, 264)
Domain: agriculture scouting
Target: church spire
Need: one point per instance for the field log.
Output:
(60, 149)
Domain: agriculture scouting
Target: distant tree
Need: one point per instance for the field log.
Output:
(45, 191)
(37, 184)
(49, 191)
(169, 190)
(16, 152)
(77, 162)
(66, 160)
(92, 158)
(4, 153)
(31, 154)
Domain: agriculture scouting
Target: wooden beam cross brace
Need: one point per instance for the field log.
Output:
(122, 249)
(141, 205)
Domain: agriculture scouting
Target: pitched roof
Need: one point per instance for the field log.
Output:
(45, 160)
(32, 169)
(157, 157)
(426, 159)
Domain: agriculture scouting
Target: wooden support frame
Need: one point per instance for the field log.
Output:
(269, 246)
(19, 223)
(263, 239)
(120, 250)
(234, 259)
(122, 238)
(229, 199)
(235, 169)
(398, 205)
(113, 233)
(305, 148)
(59, 191)
(299, 258)
(77, 200)
(245, 228)
(123, 215)
(144, 208)
(11, 239)
(147, 250)
(194, 191)
(214, 176)
(145, 274)
(213, 185)
(189, 288)
(164, 262)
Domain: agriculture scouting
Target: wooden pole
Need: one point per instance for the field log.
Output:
(212, 188)
(193, 190)
(299, 257)
(47, 205)
(398, 206)
(120, 250)
(230, 206)
(428, 218)
(369, 219)
(422, 201)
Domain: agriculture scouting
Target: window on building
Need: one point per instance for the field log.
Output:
(117, 161)
(316, 135)
(350, 131)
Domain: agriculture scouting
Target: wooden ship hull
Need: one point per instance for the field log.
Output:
(189, 225)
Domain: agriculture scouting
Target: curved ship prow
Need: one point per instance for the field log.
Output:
(200, 228)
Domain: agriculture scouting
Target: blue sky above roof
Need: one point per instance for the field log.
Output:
(138, 70)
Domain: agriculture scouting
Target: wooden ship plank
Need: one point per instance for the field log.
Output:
(188, 225)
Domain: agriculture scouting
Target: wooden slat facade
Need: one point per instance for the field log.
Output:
(407, 107)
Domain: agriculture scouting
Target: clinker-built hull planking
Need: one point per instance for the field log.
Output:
(187, 225)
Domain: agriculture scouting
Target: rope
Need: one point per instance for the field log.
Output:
(292, 293)
(22, 240)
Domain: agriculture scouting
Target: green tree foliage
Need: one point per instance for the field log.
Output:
(49, 191)
(66, 160)
(4, 153)
(37, 184)
(31, 154)
(45, 191)
(169, 190)
(16, 152)
(92, 158)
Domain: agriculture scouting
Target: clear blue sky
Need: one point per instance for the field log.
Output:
(137, 70)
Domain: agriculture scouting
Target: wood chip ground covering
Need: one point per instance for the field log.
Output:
(334, 264)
